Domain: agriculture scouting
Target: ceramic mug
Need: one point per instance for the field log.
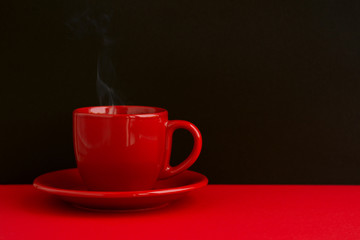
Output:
(126, 148)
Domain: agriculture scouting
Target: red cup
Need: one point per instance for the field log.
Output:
(126, 148)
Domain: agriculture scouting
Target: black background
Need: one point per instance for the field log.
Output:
(274, 87)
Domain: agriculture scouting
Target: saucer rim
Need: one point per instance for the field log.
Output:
(118, 194)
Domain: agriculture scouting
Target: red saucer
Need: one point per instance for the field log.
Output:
(67, 185)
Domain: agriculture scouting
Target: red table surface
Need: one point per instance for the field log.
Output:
(214, 212)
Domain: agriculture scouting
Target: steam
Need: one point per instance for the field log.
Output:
(96, 21)
(105, 70)
(106, 75)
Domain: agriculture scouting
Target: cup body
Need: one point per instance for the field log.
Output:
(119, 148)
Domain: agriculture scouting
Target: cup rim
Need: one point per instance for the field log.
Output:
(85, 111)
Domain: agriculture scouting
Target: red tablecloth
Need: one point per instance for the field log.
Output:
(214, 212)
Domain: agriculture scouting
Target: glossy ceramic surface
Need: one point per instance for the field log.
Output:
(122, 148)
(68, 185)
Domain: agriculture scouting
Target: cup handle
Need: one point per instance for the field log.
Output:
(169, 171)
